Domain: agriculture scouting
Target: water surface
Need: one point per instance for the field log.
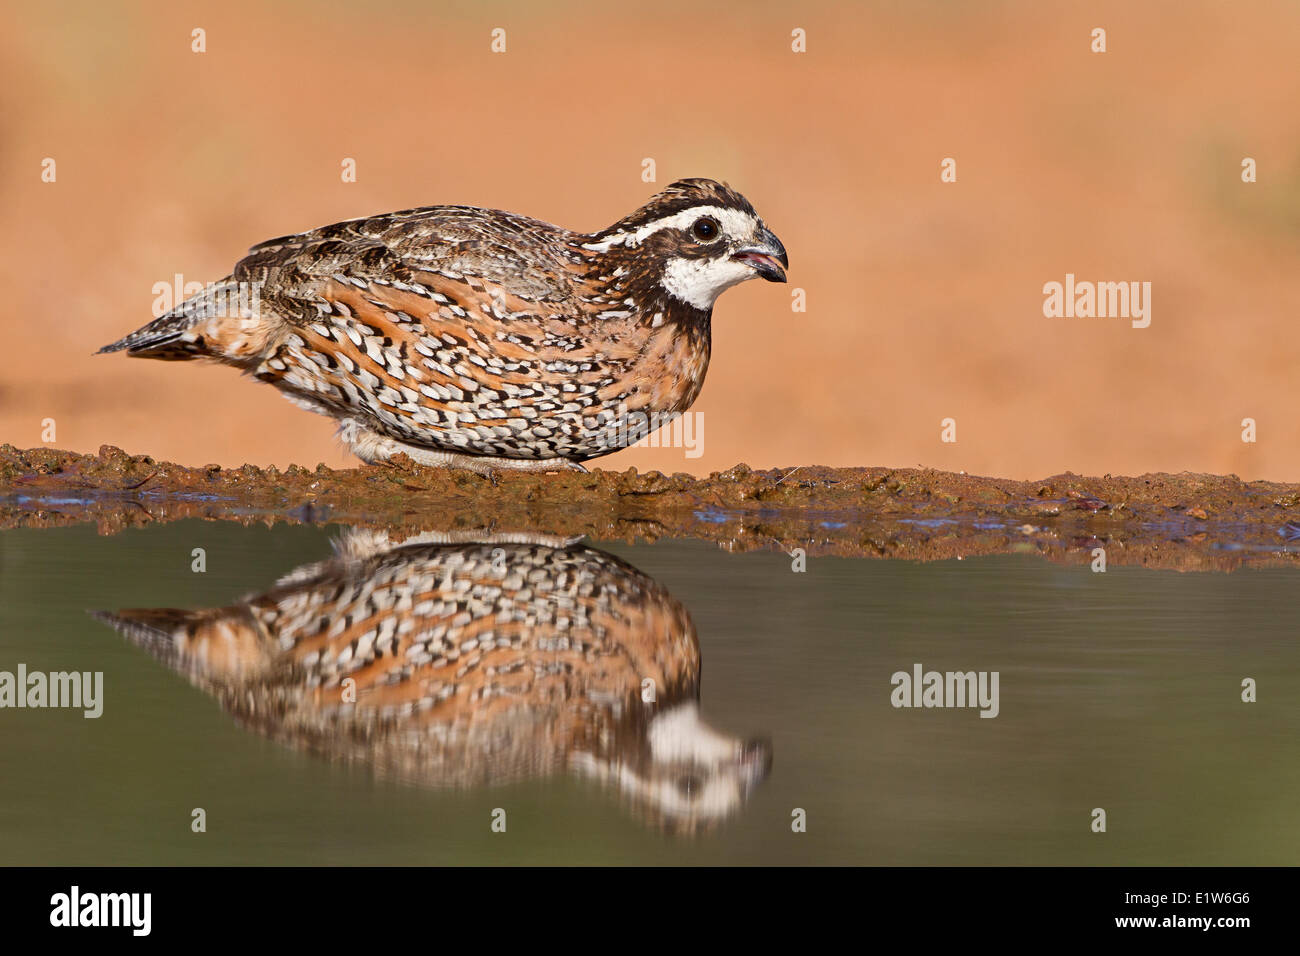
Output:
(1119, 691)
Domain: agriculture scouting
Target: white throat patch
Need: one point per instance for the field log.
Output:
(699, 282)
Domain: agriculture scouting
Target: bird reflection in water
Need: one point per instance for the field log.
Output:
(463, 663)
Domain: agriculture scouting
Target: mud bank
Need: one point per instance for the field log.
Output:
(1182, 521)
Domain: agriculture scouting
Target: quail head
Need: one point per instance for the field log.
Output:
(479, 338)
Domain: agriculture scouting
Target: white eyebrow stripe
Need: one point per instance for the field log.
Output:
(733, 222)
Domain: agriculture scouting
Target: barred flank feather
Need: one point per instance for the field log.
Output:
(479, 338)
(495, 659)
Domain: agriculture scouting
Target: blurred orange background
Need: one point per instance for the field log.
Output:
(924, 299)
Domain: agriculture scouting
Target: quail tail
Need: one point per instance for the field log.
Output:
(154, 630)
(199, 327)
(200, 644)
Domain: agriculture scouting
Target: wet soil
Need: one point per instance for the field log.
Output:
(1182, 521)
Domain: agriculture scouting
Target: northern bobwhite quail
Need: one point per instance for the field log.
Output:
(488, 661)
(479, 338)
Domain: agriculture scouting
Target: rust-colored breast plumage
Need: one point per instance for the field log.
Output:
(462, 659)
(434, 633)
(480, 338)
(451, 664)
(471, 331)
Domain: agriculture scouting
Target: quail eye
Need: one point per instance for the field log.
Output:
(705, 229)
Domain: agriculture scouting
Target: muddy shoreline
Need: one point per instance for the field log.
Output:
(1179, 521)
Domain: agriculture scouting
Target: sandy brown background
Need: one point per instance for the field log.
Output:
(924, 299)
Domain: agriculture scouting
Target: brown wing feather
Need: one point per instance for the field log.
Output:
(454, 329)
(468, 662)
(451, 328)
(491, 244)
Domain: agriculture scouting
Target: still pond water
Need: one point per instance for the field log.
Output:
(497, 710)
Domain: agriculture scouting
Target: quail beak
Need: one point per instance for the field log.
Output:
(766, 257)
